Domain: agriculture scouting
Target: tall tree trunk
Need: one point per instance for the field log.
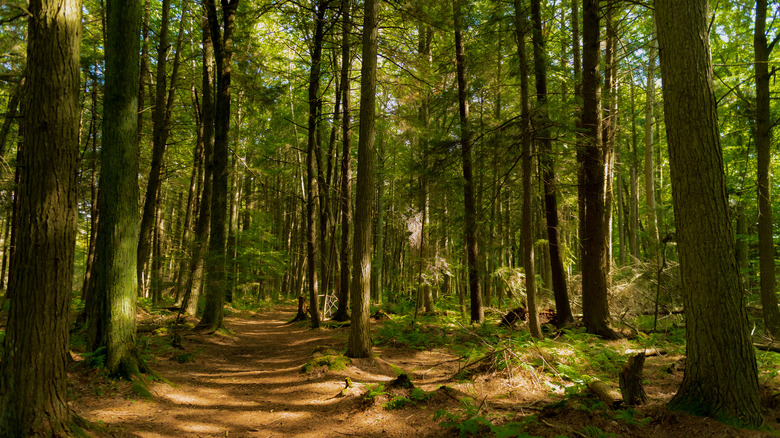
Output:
(342, 313)
(521, 25)
(608, 129)
(159, 135)
(766, 241)
(547, 161)
(194, 279)
(33, 378)
(590, 154)
(470, 209)
(311, 175)
(117, 239)
(721, 379)
(378, 265)
(359, 342)
(652, 223)
(88, 285)
(633, 233)
(222, 38)
(161, 119)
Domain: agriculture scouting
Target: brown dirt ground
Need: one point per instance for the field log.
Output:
(249, 383)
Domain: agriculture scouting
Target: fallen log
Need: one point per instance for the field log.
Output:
(611, 397)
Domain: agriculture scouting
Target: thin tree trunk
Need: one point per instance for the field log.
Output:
(192, 285)
(342, 312)
(521, 25)
(652, 223)
(560, 290)
(470, 209)
(311, 175)
(10, 116)
(766, 243)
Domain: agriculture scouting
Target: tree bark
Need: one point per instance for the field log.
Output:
(311, 175)
(359, 343)
(470, 208)
(222, 39)
(652, 223)
(521, 25)
(766, 242)
(342, 312)
(117, 239)
(547, 163)
(590, 154)
(33, 377)
(720, 377)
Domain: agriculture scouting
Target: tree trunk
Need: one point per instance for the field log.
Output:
(10, 116)
(720, 377)
(159, 135)
(342, 312)
(521, 25)
(652, 223)
(470, 209)
(359, 343)
(117, 239)
(766, 242)
(560, 290)
(222, 38)
(590, 154)
(33, 378)
(311, 175)
(633, 229)
(161, 120)
(88, 285)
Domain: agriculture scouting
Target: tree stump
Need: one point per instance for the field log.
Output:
(302, 314)
(631, 381)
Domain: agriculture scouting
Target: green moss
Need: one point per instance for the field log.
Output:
(139, 389)
(325, 357)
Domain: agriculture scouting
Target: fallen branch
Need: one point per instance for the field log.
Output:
(768, 347)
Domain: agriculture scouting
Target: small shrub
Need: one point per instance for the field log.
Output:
(374, 391)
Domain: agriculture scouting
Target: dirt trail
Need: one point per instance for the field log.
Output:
(250, 385)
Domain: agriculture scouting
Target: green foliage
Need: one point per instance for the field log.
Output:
(96, 359)
(627, 416)
(595, 432)
(417, 395)
(374, 391)
(470, 422)
(422, 336)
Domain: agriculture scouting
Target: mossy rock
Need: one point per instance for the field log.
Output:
(325, 357)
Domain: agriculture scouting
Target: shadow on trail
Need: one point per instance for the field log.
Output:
(249, 384)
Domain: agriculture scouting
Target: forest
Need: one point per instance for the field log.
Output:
(388, 218)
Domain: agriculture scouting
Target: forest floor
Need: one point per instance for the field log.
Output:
(247, 381)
